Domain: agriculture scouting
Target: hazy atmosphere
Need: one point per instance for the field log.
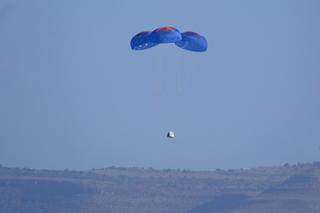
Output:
(73, 95)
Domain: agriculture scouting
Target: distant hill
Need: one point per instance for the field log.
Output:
(282, 189)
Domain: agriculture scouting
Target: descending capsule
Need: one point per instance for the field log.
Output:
(192, 41)
(170, 134)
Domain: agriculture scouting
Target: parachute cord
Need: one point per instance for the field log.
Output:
(179, 80)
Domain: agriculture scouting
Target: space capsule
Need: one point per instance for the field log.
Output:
(170, 134)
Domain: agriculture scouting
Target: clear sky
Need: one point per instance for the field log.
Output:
(73, 95)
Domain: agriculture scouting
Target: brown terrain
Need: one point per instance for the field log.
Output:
(288, 188)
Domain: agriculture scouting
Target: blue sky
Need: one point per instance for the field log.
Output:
(74, 95)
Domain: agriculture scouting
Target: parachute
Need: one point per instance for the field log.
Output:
(188, 40)
(192, 41)
(142, 41)
(166, 35)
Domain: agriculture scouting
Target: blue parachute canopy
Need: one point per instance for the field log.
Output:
(142, 41)
(193, 41)
(166, 35)
(188, 40)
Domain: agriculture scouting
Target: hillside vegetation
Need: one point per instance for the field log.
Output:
(282, 189)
